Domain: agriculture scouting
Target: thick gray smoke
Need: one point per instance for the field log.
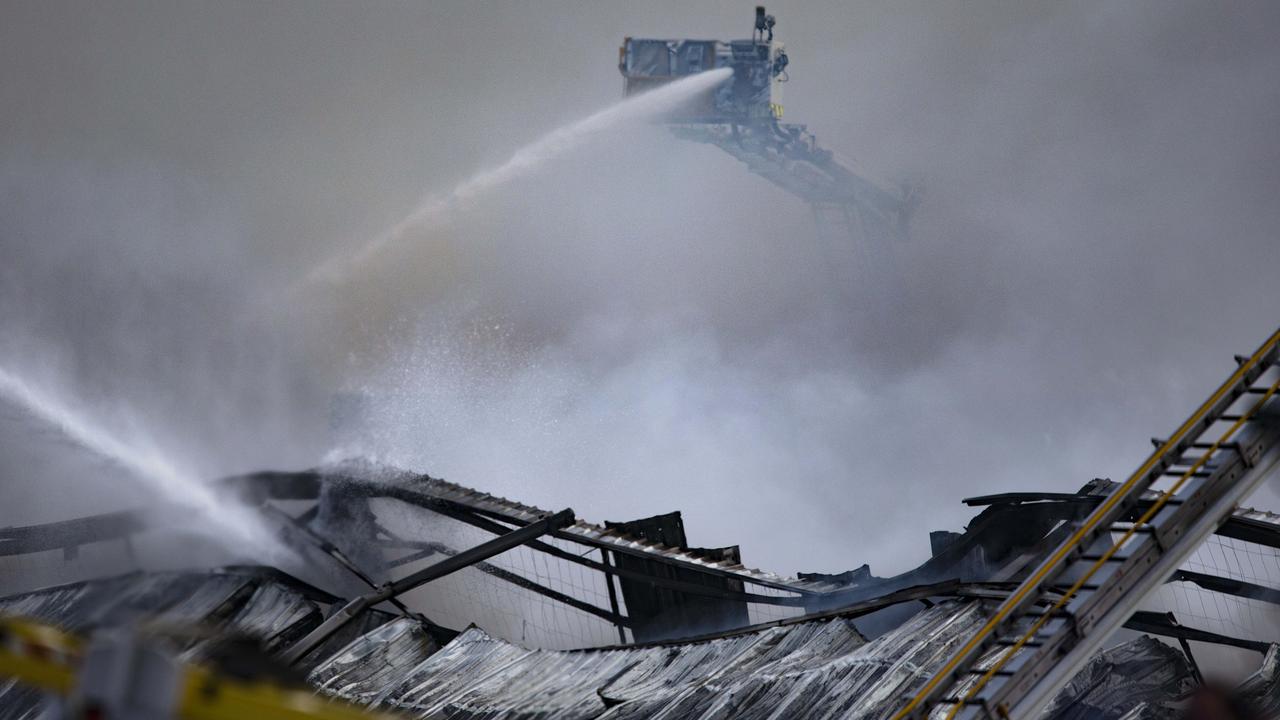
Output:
(641, 325)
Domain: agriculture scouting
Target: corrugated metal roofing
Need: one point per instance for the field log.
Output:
(1142, 672)
(811, 670)
(808, 670)
(166, 598)
(203, 608)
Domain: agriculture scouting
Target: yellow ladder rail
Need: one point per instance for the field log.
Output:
(1065, 552)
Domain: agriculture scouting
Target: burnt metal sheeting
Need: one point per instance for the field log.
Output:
(820, 668)
(205, 608)
(809, 670)
(1262, 689)
(816, 669)
(264, 604)
(997, 545)
(259, 602)
(659, 613)
(373, 664)
(1141, 672)
(1248, 524)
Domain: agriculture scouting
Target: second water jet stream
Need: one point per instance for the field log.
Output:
(232, 525)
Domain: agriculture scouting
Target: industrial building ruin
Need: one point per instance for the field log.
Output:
(1101, 602)
(415, 597)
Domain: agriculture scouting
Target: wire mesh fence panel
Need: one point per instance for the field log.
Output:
(1252, 618)
(524, 595)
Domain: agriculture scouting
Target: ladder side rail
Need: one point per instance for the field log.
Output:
(1113, 603)
(1049, 653)
(1037, 695)
(1118, 503)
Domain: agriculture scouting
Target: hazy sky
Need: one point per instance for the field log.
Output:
(641, 325)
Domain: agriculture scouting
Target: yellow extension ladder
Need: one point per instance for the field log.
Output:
(1090, 585)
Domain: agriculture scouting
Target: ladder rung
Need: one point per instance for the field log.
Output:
(1197, 445)
(1145, 528)
(1207, 467)
(1095, 557)
(1058, 613)
(978, 701)
(998, 673)
(1087, 587)
(1170, 502)
(1193, 460)
(1181, 473)
(1002, 642)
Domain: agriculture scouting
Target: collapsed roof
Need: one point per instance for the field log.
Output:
(806, 669)
(680, 631)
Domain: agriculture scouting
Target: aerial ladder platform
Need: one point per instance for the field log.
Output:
(743, 118)
(1094, 581)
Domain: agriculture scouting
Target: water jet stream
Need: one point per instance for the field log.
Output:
(234, 526)
(434, 210)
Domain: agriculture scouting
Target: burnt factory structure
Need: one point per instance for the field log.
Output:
(415, 597)
(430, 599)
